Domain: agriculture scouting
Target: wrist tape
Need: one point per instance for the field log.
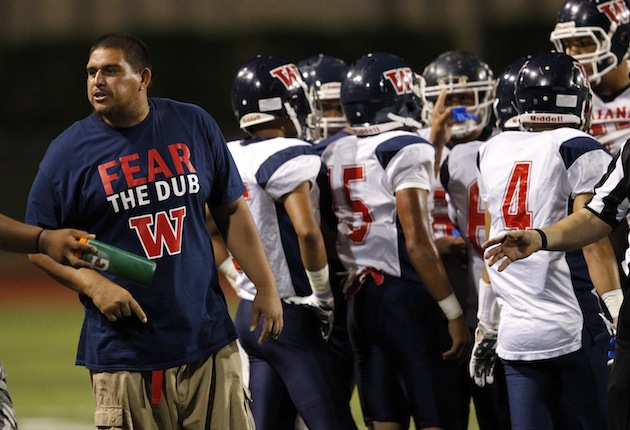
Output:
(613, 299)
(450, 306)
(319, 280)
(229, 270)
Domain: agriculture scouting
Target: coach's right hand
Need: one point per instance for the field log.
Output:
(112, 300)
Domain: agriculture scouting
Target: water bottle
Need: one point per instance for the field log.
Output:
(119, 262)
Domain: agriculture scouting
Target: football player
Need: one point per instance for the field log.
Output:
(527, 180)
(299, 372)
(406, 325)
(597, 34)
(458, 225)
(323, 75)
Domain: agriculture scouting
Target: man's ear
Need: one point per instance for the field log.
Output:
(145, 79)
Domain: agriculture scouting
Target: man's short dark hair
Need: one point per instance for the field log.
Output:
(135, 51)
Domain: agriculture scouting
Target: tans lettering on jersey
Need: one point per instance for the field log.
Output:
(401, 79)
(165, 234)
(606, 121)
(288, 74)
(514, 209)
(179, 154)
(476, 218)
(601, 114)
(616, 11)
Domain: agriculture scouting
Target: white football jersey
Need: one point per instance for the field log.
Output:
(365, 173)
(527, 180)
(458, 176)
(610, 120)
(271, 168)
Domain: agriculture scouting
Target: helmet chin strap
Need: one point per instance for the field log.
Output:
(397, 122)
(405, 121)
(294, 119)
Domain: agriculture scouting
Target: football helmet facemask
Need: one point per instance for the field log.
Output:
(323, 75)
(461, 73)
(606, 24)
(380, 93)
(270, 87)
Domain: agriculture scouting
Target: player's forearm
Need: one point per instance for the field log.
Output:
(429, 267)
(575, 231)
(75, 279)
(313, 251)
(16, 236)
(602, 266)
(218, 245)
(237, 228)
(412, 212)
(298, 205)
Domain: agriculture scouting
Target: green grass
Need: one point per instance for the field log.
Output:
(37, 348)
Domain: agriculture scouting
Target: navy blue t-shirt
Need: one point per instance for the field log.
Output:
(143, 189)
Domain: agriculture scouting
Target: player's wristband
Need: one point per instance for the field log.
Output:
(543, 238)
(319, 280)
(450, 306)
(228, 269)
(613, 299)
(487, 310)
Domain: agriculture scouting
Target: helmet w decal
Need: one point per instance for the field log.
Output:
(270, 87)
(380, 93)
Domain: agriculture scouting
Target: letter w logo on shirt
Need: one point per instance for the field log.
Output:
(401, 79)
(166, 232)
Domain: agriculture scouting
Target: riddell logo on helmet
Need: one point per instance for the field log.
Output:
(367, 131)
(401, 79)
(251, 118)
(616, 11)
(546, 118)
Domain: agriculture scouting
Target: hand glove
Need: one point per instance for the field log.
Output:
(484, 356)
(323, 305)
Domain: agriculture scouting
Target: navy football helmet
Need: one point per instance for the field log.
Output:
(606, 23)
(380, 93)
(504, 103)
(323, 74)
(552, 89)
(270, 87)
(460, 73)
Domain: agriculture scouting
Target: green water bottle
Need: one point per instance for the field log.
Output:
(119, 262)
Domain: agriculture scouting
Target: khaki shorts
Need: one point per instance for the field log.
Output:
(208, 394)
